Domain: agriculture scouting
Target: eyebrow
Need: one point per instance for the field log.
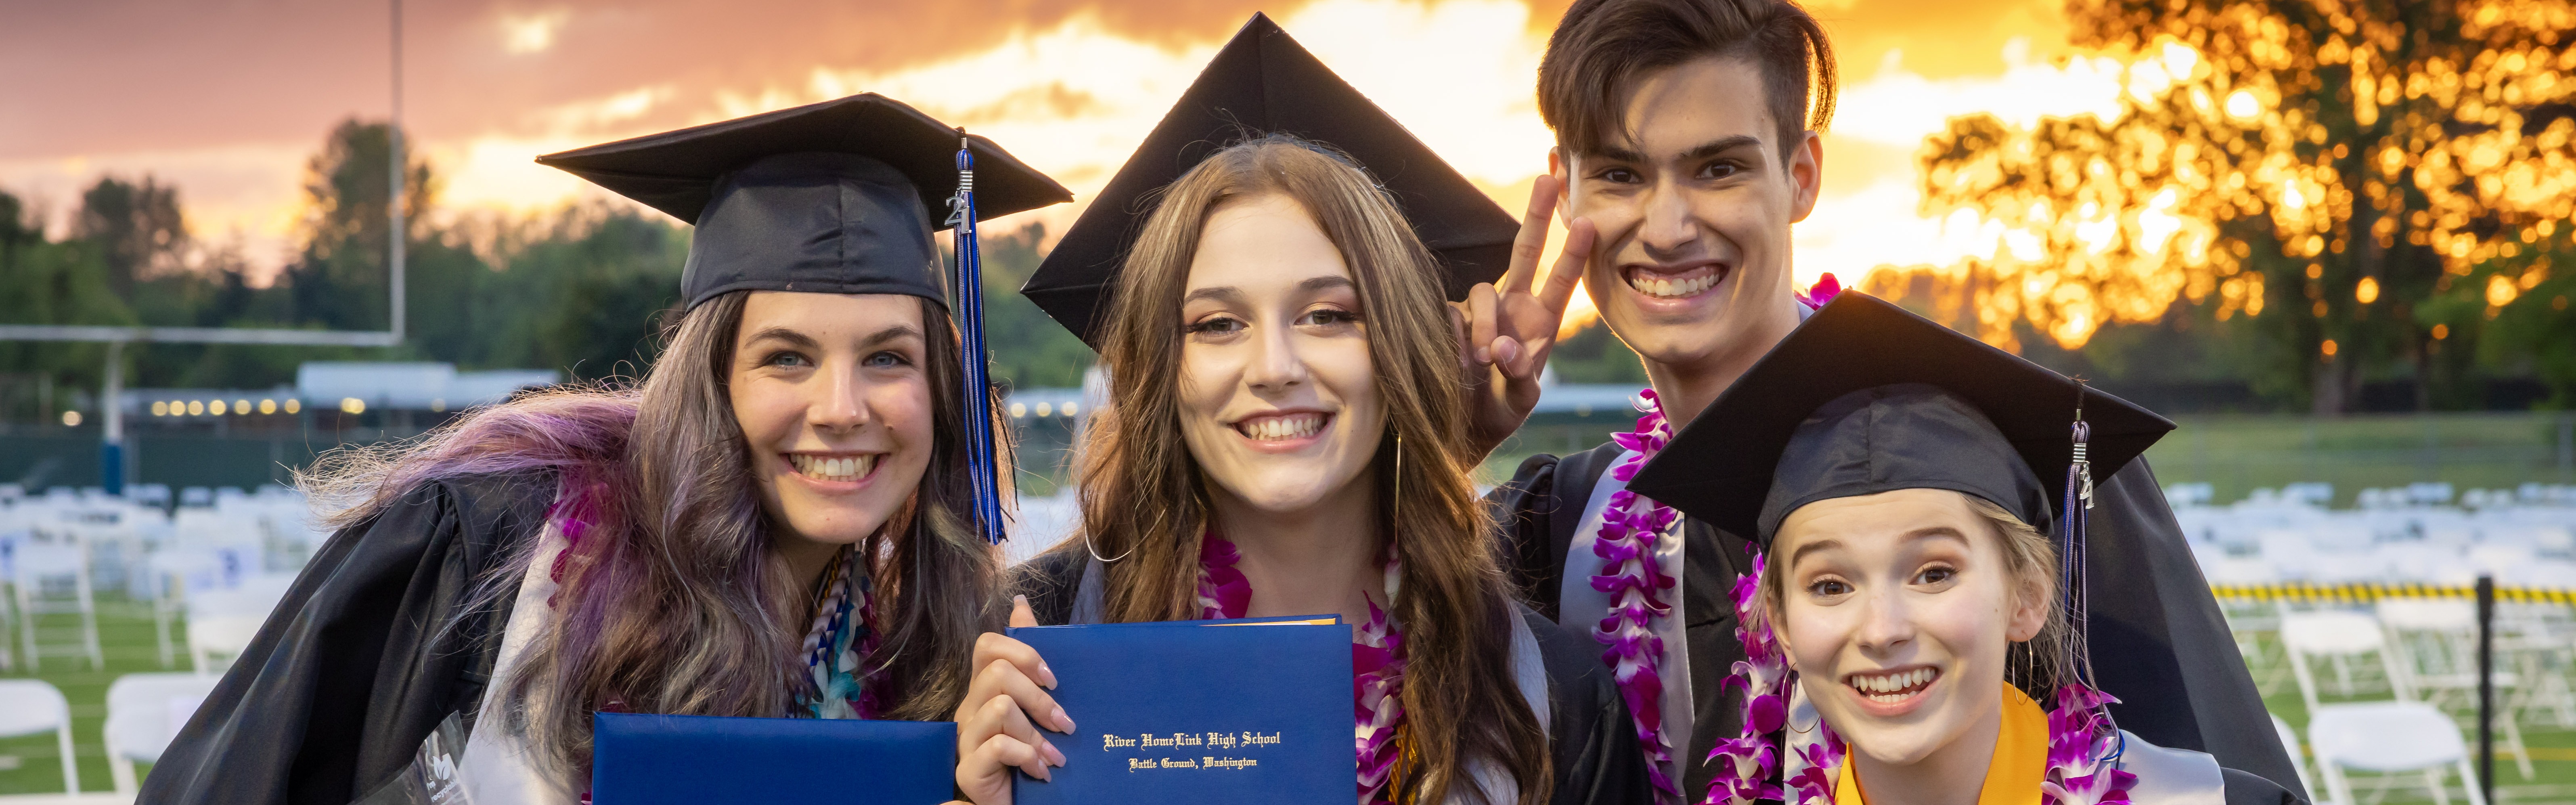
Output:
(799, 340)
(1702, 151)
(1229, 293)
(792, 337)
(1721, 145)
(889, 333)
(1926, 532)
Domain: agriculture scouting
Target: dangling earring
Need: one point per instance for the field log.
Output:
(1399, 471)
(1095, 552)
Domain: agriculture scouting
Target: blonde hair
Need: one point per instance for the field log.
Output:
(1144, 501)
(2036, 665)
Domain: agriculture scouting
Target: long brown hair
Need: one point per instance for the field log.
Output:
(672, 599)
(1145, 501)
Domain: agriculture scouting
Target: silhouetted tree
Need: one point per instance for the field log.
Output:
(135, 226)
(338, 279)
(2368, 182)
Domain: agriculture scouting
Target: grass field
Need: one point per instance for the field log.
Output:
(32, 764)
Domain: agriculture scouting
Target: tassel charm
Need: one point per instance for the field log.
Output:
(2075, 507)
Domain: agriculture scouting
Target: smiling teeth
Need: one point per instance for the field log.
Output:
(1893, 688)
(821, 468)
(1665, 288)
(1281, 428)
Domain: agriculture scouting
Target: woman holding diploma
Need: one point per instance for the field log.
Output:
(1286, 436)
(786, 516)
(1916, 623)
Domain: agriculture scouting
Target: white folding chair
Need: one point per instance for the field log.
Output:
(144, 711)
(177, 571)
(30, 707)
(2433, 644)
(2542, 640)
(221, 623)
(2339, 637)
(53, 579)
(2389, 738)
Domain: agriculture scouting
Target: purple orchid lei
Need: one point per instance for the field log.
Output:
(1377, 664)
(2082, 748)
(1750, 758)
(1629, 574)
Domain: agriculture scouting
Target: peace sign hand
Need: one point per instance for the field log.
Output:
(1505, 333)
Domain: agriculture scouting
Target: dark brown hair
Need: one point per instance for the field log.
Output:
(673, 599)
(1145, 501)
(1602, 48)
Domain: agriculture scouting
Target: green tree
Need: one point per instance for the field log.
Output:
(136, 226)
(1595, 355)
(339, 277)
(1029, 349)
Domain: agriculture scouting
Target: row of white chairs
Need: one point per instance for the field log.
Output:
(144, 712)
(2522, 538)
(213, 568)
(2391, 689)
(2424, 494)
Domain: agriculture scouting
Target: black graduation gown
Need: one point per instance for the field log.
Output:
(1592, 744)
(358, 663)
(2161, 645)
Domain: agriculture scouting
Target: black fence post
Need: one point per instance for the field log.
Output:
(2486, 688)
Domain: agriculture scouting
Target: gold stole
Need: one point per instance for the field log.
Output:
(2012, 776)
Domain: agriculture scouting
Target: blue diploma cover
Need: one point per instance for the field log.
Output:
(655, 759)
(1202, 712)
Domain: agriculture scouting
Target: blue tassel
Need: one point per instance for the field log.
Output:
(2077, 505)
(970, 325)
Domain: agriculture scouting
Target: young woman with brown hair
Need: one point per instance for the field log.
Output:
(1286, 434)
(781, 519)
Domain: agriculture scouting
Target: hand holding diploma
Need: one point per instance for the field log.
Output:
(997, 722)
(1506, 332)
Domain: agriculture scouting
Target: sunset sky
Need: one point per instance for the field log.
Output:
(227, 100)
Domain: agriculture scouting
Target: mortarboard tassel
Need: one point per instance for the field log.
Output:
(970, 326)
(2070, 555)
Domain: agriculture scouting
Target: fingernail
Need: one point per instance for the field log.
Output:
(1064, 722)
(1055, 757)
(1020, 600)
(1047, 672)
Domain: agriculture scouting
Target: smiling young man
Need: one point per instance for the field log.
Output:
(1687, 146)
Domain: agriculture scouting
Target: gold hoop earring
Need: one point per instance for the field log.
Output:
(1399, 472)
(1096, 553)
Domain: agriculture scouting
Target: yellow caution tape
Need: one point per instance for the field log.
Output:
(2365, 592)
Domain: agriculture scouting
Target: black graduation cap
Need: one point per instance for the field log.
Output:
(834, 197)
(1263, 82)
(1866, 397)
